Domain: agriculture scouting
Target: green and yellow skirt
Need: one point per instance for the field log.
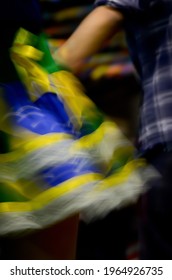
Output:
(60, 155)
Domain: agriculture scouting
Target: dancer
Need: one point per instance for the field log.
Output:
(148, 30)
(61, 155)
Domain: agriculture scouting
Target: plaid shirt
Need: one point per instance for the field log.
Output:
(148, 26)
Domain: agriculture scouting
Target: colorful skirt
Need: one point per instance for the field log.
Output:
(60, 154)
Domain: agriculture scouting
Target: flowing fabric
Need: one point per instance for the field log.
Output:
(60, 155)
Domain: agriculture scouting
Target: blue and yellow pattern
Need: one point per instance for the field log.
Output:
(62, 155)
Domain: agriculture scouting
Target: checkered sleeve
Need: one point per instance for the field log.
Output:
(125, 5)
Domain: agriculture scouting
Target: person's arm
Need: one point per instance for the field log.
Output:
(89, 37)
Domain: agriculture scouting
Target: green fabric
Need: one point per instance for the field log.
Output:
(47, 61)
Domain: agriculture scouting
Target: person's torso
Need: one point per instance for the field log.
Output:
(149, 35)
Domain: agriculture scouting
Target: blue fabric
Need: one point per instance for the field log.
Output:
(148, 28)
(45, 115)
(58, 174)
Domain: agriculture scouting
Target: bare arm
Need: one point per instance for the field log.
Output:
(89, 37)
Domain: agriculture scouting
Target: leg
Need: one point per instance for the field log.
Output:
(56, 242)
(156, 213)
(107, 238)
